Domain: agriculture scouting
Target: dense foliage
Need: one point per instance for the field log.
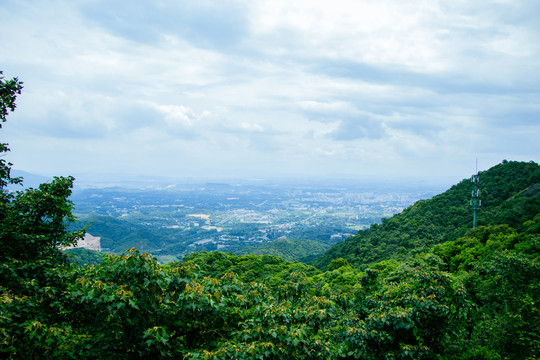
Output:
(268, 269)
(288, 249)
(82, 256)
(472, 295)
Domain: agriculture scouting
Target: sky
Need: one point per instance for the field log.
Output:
(307, 89)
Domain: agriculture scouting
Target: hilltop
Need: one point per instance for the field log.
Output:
(510, 195)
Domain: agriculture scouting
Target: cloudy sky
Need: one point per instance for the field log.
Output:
(232, 88)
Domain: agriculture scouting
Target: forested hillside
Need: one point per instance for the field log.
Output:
(117, 235)
(510, 195)
(452, 293)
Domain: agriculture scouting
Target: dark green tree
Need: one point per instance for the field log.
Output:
(33, 222)
(33, 227)
(9, 89)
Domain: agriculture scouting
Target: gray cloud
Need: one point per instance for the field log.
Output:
(272, 87)
(205, 24)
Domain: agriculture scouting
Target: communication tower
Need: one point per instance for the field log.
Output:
(476, 203)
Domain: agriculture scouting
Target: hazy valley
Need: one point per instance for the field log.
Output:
(241, 216)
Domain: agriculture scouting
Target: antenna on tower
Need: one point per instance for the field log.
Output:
(475, 203)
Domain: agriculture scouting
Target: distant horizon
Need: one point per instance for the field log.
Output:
(138, 180)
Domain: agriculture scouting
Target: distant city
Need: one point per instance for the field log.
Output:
(172, 220)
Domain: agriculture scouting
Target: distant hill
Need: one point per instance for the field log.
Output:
(510, 194)
(118, 235)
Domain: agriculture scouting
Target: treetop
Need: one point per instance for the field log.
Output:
(9, 89)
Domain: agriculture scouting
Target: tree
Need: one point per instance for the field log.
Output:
(423, 316)
(9, 89)
(33, 227)
(33, 223)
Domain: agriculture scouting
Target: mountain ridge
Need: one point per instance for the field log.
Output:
(445, 217)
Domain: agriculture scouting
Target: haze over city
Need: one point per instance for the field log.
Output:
(221, 89)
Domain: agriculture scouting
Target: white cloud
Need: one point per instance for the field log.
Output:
(176, 115)
(305, 87)
(382, 32)
(251, 127)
